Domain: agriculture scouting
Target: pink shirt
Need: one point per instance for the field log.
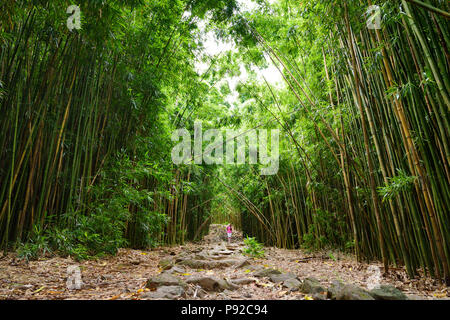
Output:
(229, 229)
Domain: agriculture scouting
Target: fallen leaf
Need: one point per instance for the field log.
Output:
(55, 292)
(266, 285)
(40, 289)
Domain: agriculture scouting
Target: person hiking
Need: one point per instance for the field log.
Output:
(229, 231)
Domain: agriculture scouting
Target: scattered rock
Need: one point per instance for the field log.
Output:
(227, 285)
(221, 252)
(217, 257)
(388, 292)
(213, 264)
(166, 263)
(254, 268)
(175, 269)
(282, 277)
(266, 272)
(242, 263)
(242, 281)
(164, 279)
(334, 289)
(209, 283)
(292, 284)
(165, 292)
(200, 256)
(177, 263)
(352, 292)
(311, 285)
(192, 263)
(319, 296)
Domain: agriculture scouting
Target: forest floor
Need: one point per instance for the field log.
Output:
(126, 275)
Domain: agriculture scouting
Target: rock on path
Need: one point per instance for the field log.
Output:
(215, 269)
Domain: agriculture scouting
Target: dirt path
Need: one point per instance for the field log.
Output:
(211, 269)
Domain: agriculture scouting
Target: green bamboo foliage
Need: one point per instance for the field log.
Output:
(388, 132)
(46, 75)
(72, 100)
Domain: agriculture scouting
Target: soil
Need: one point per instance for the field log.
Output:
(125, 275)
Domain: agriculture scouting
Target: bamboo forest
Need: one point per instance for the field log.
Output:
(225, 150)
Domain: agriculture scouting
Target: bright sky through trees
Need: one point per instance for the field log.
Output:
(214, 47)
